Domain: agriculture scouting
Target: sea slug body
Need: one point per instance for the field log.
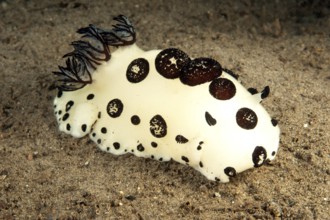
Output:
(162, 104)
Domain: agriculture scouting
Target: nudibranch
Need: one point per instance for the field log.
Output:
(162, 104)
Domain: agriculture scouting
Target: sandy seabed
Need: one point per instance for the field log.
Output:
(46, 174)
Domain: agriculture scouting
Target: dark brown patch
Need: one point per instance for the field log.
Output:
(137, 70)
(246, 118)
(209, 119)
(158, 127)
(140, 147)
(252, 91)
(59, 93)
(116, 145)
(135, 120)
(65, 116)
(154, 144)
(115, 108)
(69, 105)
(104, 130)
(274, 122)
(169, 62)
(199, 71)
(265, 92)
(259, 156)
(90, 97)
(199, 147)
(181, 139)
(185, 159)
(222, 89)
(230, 171)
(84, 127)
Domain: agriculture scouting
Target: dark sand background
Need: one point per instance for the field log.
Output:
(48, 175)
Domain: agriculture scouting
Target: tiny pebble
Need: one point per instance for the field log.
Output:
(130, 197)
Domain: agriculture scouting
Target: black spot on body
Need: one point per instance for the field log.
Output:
(99, 115)
(116, 145)
(68, 127)
(201, 164)
(169, 62)
(104, 130)
(94, 134)
(90, 96)
(108, 148)
(273, 153)
(199, 147)
(135, 120)
(60, 112)
(185, 159)
(230, 171)
(158, 127)
(265, 92)
(140, 147)
(199, 71)
(115, 108)
(84, 127)
(69, 105)
(181, 139)
(65, 116)
(217, 179)
(137, 70)
(259, 156)
(274, 122)
(99, 141)
(154, 144)
(161, 159)
(59, 93)
(209, 119)
(222, 89)
(252, 91)
(246, 118)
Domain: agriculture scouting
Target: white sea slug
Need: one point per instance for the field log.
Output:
(162, 104)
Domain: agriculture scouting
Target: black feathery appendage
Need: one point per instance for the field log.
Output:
(74, 76)
(90, 53)
(122, 33)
